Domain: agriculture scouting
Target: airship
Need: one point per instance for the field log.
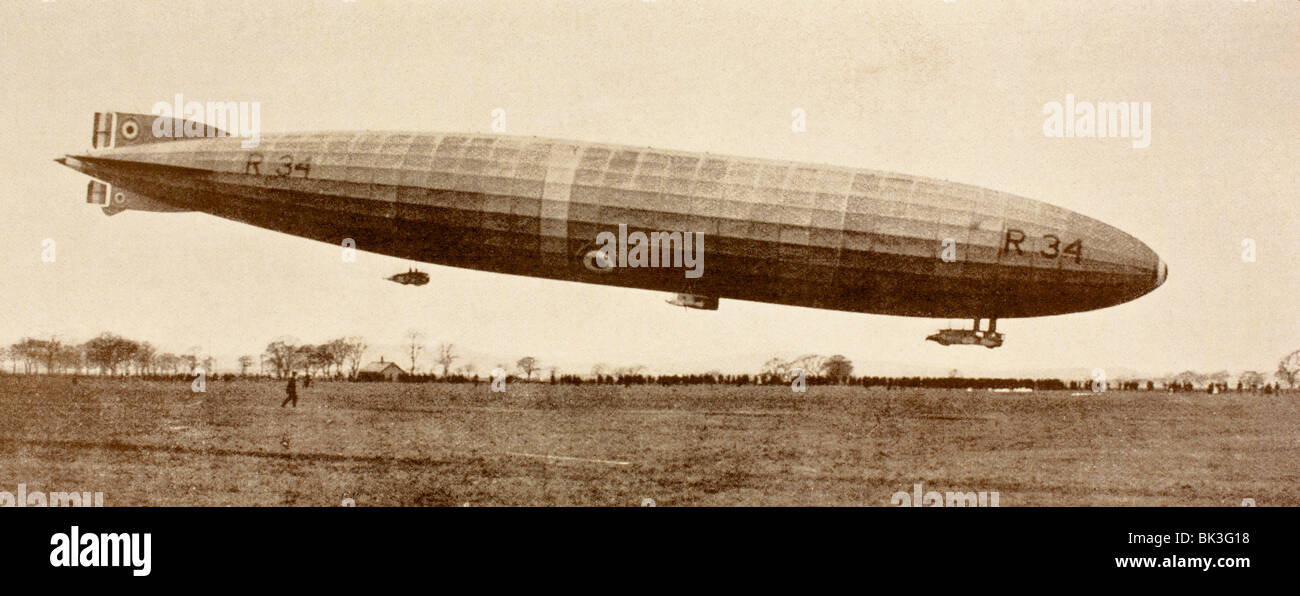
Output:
(700, 226)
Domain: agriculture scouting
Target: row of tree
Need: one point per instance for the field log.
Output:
(1287, 372)
(108, 353)
(111, 354)
(285, 355)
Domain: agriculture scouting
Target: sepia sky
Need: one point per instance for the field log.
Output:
(949, 90)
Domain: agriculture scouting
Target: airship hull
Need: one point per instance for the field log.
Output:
(779, 232)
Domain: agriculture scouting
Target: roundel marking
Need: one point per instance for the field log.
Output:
(130, 129)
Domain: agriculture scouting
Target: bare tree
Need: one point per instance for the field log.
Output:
(774, 370)
(71, 357)
(1288, 369)
(28, 350)
(280, 354)
(49, 351)
(321, 358)
(445, 355)
(356, 350)
(338, 353)
(169, 362)
(837, 368)
(629, 371)
(191, 359)
(1219, 378)
(811, 364)
(109, 352)
(145, 357)
(414, 347)
(1189, 377)
(1250, 379)
(302, 357)
(527, 365)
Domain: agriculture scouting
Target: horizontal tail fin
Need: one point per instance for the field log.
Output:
(97, 193)
(116, 200)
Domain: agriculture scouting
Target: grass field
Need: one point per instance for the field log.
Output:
(155, 443)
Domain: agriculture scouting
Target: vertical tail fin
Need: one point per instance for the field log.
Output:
(122, 129)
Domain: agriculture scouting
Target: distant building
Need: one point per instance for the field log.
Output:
(380, 371)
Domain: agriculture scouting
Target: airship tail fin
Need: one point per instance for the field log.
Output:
(116, 200)
(122, 129)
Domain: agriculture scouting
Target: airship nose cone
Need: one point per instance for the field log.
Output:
(1162, 272)
(70, 162)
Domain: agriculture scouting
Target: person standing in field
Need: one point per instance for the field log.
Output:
(292, 390)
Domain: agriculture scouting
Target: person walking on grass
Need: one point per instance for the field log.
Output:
(292, 390)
